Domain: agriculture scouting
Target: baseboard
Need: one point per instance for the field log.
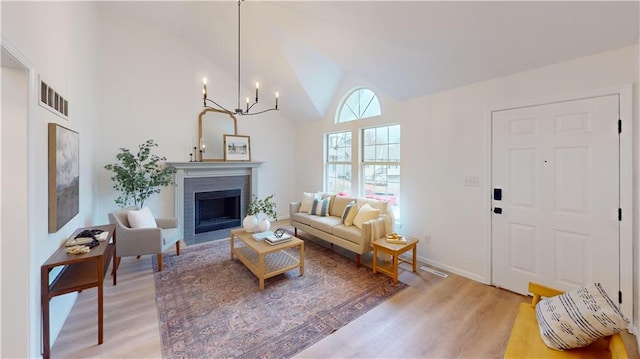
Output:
(454, 270)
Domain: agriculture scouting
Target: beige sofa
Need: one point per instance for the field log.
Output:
(331, 228)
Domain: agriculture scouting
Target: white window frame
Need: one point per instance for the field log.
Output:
(361, 112)
(328, 162)
(363, 163)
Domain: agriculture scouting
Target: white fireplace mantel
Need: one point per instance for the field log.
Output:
(209, 169)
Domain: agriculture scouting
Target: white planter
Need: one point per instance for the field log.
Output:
(250, 223)
(264, 225)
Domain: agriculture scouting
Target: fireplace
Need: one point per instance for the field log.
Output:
(202, 177)
(217, 210)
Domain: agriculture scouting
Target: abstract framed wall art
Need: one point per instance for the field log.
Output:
(64, 176)
(237, 148)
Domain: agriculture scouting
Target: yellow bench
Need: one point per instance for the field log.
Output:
(525, 340)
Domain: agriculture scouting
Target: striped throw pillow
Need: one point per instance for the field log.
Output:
(349, 213)
(576, 319)
(320, 207)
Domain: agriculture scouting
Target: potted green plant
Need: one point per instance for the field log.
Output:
(266, 206)
(138, 176)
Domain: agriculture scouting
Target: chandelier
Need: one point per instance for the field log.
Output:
(239, 110)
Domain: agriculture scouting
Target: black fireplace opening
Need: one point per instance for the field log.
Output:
(217, 210)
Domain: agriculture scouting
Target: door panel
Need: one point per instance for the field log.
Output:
(557, 165)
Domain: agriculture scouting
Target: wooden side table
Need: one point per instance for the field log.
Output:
(81, 271)
(395, 250)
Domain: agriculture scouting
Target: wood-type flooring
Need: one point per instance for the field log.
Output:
(435, 317)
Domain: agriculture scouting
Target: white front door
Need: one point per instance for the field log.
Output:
(557, 168)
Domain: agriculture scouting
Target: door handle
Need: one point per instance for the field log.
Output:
(497, 210)
(497, 194)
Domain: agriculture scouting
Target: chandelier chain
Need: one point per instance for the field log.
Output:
(238, 110)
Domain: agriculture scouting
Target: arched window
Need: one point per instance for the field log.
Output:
(360, 103)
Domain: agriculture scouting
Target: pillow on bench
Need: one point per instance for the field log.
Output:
(576, 319)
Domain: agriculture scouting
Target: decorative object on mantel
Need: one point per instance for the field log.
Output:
(238, 110)
(266, 206)
(212, 126)
(53, 101)
(237, 148)
(139, 176)
(64, 176)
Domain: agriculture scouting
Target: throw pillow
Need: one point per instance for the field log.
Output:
(338, 203)
(383, 206)
(307, 201)
(320, 207)
(141, 218)
(578, 318)
(365, 213)
(349, 213)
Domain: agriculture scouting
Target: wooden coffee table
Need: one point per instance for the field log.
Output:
(395, 250)
(263, 259)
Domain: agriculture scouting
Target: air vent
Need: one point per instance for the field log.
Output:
(53, 101)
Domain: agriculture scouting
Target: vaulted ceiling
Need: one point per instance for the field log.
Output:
(405, 49)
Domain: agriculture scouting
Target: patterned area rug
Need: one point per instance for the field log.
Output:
(210, 306)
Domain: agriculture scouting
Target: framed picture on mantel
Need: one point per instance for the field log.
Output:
(237, 148)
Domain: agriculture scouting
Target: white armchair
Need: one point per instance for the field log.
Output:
(141, 241)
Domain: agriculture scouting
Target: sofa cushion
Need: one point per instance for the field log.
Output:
(350, 233)
(307, 201)
(365, 213)
(142, 218)
(305, 218)
(320, 207)
(338, 204)
(325, 224)
(578, 318)
(349, 213)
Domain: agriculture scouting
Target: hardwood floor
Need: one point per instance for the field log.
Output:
(435, 317)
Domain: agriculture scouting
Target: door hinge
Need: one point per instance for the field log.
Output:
(619, 214)
(619, 126)
(619, 297)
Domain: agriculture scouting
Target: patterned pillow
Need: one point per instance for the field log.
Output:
(349, 213)
(578, 318)
(320, 207)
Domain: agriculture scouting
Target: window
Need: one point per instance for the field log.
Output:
(360, 103)
(381, 165)
(338, 163)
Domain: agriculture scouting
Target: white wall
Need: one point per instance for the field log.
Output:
(444, 139)
(58, 40)
(151, 88)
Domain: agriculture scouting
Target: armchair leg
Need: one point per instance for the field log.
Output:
(138, 257)
(159, 262)
(178, 248)
(358, 264)
(295, 231)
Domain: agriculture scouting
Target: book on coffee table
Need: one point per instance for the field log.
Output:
(273, 240)
(261, 235)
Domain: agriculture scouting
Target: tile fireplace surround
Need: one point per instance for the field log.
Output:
(192, 177)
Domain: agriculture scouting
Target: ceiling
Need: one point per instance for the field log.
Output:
(305, 49)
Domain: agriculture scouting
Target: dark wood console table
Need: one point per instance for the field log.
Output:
(82, 271)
